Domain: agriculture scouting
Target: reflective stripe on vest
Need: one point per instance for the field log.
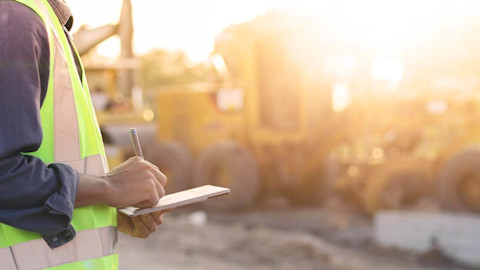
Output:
(71, 136)
(37, 255)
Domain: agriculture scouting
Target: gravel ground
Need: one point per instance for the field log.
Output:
(183, 245)
(268, 239)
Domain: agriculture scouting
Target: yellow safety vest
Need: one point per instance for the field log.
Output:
(71, 136)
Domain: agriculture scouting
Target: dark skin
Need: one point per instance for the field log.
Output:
(136, 182)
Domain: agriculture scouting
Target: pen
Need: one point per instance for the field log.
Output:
(136, 142)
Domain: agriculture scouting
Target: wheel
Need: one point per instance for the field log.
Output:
(393, 190)
(228, 164)
(175, 161)
(458, 186)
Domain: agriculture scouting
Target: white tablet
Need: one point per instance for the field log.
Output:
(181, 198)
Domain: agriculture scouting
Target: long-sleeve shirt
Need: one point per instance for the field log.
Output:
(33, 196)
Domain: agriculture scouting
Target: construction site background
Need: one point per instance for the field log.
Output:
(341, 133)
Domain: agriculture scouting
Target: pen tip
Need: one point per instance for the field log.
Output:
(133, 131)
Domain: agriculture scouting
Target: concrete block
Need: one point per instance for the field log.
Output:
(456, 235)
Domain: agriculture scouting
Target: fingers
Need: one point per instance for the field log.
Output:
(139, 159)
(155, 191)
(146, 224)
(125, 224)
(159, 179)
(155, 197)
(155, 170)
(158, 217)
(144, 204)
(149, 222)
(159, 176)
(135, 182)
(140, 226)
(140, 229)
(160, 189)
(155, 167)
(152, 192)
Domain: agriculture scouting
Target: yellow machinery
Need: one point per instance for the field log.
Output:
(268, 127)
(270, 124)
(114, 87)
(261, 131)
(405, 148)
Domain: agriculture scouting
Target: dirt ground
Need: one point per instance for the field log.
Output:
(328, 237)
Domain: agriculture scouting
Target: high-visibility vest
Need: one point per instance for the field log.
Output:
(71, 136)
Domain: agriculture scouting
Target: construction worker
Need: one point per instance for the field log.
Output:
(57, 198)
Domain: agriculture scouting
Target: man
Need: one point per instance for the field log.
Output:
(52, 158)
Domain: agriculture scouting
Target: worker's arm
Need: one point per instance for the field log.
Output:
(33, 196)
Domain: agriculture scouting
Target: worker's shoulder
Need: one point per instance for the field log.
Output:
(18, 16)
(19, 20)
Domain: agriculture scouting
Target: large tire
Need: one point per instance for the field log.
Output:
(175, 161)
(393, 190)
(460, 171)
(231, 165)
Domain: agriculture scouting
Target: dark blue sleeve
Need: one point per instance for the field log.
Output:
(33, 196)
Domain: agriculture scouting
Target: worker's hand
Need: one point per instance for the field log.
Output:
(140, 226)
(136, 182)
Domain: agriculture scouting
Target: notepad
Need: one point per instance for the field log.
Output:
(174, 200)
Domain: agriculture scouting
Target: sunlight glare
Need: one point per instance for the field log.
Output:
(341, 97)
(386, 26)
(388, 69)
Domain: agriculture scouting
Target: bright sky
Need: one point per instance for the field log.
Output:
(181, 24)
(192, 25)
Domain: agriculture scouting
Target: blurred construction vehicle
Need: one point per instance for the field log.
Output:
(407, 147)
(114, 84)
(297, 113)
(279, 121)
(252, 130)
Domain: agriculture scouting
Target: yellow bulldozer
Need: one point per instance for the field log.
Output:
(270, 124)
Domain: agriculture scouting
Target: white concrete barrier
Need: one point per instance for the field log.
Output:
(456, 235)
